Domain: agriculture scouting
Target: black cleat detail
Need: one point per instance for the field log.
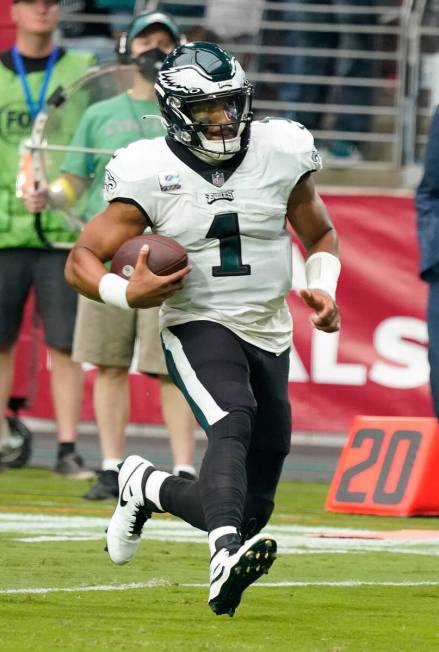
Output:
(254, 563)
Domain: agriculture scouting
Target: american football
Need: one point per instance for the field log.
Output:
(166, 255)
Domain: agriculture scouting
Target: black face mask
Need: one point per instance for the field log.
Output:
(149, 63)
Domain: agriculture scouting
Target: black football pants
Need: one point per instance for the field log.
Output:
(239, 394)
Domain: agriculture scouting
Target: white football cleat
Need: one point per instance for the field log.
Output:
(132, 510)
(232, 571)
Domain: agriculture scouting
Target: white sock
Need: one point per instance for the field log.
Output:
(153, 486)
(218, 532)
(187, 468)
(110, 464)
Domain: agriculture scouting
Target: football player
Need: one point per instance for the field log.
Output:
(225, 188)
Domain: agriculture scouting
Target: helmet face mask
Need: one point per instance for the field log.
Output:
(205, 99)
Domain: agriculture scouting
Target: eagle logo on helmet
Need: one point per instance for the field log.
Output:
(170, 79)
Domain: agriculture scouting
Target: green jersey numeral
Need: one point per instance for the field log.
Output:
(225, 228)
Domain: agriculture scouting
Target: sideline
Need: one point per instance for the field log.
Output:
(154, 431)
(37, 529)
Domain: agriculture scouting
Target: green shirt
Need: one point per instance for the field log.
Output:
(109, 124)
(16, 224)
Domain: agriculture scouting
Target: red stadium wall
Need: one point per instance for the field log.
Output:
(7, 30)
(378, 363)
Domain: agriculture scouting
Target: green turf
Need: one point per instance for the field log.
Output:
(172, 617)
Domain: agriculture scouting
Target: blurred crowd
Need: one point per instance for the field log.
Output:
(245, 24)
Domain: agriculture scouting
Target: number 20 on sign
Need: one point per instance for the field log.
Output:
(388, 466)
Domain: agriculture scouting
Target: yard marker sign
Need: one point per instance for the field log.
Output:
(388, 466)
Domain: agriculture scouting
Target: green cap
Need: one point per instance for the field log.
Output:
(148, 18)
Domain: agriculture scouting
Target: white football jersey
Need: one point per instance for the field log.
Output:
(231, 220)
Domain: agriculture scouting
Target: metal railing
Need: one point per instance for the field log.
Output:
(423, 64)
(398, 108)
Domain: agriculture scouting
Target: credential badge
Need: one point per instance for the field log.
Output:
(218, 179)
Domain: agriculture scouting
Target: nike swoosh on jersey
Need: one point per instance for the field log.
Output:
(123, 502)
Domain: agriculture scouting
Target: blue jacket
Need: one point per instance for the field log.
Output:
(427, 206)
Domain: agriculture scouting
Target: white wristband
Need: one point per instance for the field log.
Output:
(322, 271)
(112, 290)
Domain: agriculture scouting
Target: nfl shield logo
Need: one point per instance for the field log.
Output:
(218, 179)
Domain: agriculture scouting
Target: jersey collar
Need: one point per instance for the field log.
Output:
(210, 173)
(32, 64)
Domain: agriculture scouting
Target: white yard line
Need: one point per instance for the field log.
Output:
(292, 547)
(347, 583)
(152, 584)
(162, 583)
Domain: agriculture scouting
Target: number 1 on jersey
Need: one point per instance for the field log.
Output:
(225, 228)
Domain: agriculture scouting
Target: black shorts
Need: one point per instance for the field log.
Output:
(24, 269)
(219, 373)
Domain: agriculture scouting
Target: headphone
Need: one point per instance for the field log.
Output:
(122, 50)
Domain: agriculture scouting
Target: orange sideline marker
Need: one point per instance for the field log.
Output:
(388, 466)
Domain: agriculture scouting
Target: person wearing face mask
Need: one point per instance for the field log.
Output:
(105, 335)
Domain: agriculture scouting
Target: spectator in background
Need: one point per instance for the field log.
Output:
(235, 23)
(178, 10)
(201, 33)
(427, 205)
(29, 72)
(344, 150)
(91, 36)
(105, 335)
(121, 13)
